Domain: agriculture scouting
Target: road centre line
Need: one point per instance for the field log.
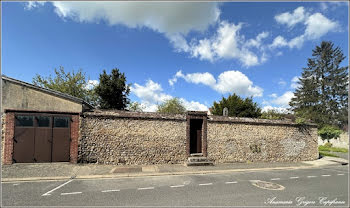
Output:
(275, 179)
(49, 192)
(176, 186)
(326, 175)
(293, 177)
(311, 176)
(340, 174)
(205, 184)
(145, 188)
(110, 190)
(71, 193)
(230, 182)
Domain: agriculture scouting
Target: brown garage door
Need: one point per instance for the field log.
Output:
(41, 138)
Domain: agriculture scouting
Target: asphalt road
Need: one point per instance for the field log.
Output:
(311, 187)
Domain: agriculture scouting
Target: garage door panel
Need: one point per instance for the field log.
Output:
(60, 145)
(23, 145)
(43, 140)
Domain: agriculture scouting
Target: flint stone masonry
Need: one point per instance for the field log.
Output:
(234, 142)
(132, 138)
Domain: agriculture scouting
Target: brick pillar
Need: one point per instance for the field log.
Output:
(74, 133)
(8, 141)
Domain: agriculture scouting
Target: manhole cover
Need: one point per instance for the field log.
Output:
(267, 185)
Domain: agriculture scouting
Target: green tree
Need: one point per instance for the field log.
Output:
(323, 92)
(329, 132)
(72, 83)
(273, 114)
(173, 106)
(237, 107)
(113, 90)
(135, 107)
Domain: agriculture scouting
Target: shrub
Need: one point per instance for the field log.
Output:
(329, 132)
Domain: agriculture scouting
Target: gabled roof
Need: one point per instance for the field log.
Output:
(48, 91)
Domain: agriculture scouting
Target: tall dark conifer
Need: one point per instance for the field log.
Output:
(113, 90)
(323, 92)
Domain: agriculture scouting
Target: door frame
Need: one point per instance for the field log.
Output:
(51, 126)
(196, 115)
(10, 129)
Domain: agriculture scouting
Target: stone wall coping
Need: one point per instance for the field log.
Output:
(134, 115)
(182, 117)
(256, 121)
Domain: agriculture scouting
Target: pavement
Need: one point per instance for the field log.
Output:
(64, 171)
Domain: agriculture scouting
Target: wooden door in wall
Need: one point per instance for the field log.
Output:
(196, 135)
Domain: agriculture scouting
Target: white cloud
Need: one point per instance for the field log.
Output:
(193, 105)
(279, 41)
(279, 53)
(33, 4)
(91, 84)
(316, 26)
(282, 83)
(294, 82)
(291, 19)
(203, 50)
(297, 42)
(283, 100)
(163, 17)
(227, 43)
(227, 82)
(151, 94)
(257, 41)
(273, 95)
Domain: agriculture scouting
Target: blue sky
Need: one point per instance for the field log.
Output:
(198, 52)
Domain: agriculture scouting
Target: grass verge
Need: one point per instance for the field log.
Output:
(332, 149)
(323, 154)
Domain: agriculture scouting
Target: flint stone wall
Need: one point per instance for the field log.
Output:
(131, 138)
(243, 140)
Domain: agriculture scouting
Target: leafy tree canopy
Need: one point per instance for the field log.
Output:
(135, 107)
(172, 106)
(329, 132)
(72, 83)
(237, 107)
(113, 90)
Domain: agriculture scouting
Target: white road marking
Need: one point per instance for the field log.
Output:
(229, 182)
(205, 184)
(293, 177)
(49, 192)
(176, 186)
(71, 193)
(311, 176)
(326, 175)
(110, 190)
(275, 179)
(16, 184)
(145, 188)
(340, 174)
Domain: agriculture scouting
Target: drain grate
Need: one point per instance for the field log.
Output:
(267, 185)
